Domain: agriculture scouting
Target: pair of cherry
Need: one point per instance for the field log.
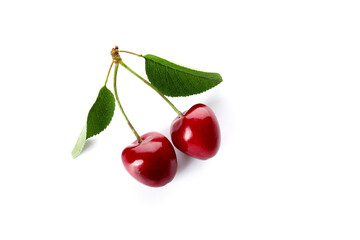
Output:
(152, 161)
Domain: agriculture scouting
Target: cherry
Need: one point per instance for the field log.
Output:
(197, 132)
(152, 161)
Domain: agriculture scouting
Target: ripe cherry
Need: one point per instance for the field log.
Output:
(152, 161)
(197, 132)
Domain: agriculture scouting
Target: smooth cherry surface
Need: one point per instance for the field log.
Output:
(151, 162)
(197, 132)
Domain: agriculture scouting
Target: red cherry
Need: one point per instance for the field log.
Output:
(197, 132)
(151, 162)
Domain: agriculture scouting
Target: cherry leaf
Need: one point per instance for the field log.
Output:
(175, 81)
(79, 146)
(99, 117)
(101, 113)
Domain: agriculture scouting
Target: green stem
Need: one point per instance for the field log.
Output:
(153, 87)
(122, 110)
(139, 55)
(107, 77)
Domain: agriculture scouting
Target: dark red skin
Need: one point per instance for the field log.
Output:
(153, 161)
(197, 132)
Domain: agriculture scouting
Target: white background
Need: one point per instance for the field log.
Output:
(289, 110)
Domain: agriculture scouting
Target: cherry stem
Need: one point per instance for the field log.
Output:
(153, 87)
(107, 77)
(139, 55)
(122, 110)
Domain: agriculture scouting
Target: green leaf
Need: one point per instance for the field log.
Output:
(99, 117)
(101, 112)
(79, 146)
(175, 81)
